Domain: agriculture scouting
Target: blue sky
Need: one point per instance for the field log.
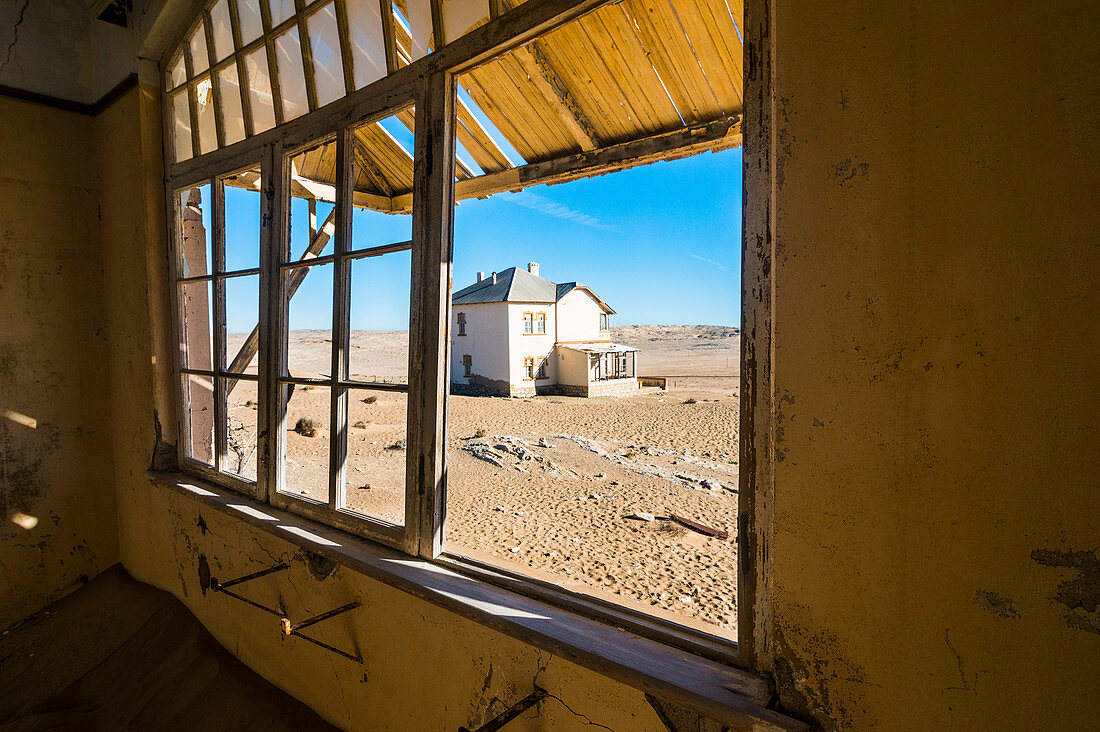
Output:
(661, 244)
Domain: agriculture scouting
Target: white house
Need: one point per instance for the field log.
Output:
(514, 333)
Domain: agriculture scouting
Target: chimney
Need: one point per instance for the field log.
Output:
(480, 276)
(494, 278)
(533, 268)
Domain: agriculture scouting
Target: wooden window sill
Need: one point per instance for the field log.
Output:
(728, 695)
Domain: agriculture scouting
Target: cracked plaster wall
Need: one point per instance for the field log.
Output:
(56, 483)
(933, 552)
(56, 48)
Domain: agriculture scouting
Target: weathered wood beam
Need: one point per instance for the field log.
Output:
(711, 136)
(557, 94)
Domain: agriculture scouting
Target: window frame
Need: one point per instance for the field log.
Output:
(528, 323)
(429, 83)
(461, 320)
(540, 323)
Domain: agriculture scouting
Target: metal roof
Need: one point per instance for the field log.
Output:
(519, 285)
(511, 285)
(598, 347)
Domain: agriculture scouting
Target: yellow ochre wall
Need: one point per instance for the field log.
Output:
(55, 406)
(932, 551)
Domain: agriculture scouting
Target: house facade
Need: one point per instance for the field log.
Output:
(515, 333)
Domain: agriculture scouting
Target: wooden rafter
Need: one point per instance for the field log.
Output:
(557, 94)
(711, 136)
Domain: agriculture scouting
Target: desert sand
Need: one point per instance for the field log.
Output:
(578, 492)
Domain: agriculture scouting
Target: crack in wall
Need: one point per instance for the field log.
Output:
(15, 36)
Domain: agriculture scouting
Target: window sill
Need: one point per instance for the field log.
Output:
(727, 695)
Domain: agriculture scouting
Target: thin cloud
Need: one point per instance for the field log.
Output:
(719, 265)
(544, 205)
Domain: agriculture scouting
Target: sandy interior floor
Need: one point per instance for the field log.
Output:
(578, 492)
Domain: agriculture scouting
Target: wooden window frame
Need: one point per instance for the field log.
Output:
(529, 368)
(528, 321)
(461, 320)
(429, 83)
(540, 372)
(540, 323)
(605, 323)
(467, 365)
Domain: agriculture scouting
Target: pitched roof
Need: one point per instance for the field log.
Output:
(518, 285)
(511, 285)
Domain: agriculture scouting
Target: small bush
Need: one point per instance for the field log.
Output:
(360, 425)
(689, 401)
(370, 400)
(480, 433)
(306, 427)
(629, 455)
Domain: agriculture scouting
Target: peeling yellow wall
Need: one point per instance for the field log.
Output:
(933, 550)
(56, 477)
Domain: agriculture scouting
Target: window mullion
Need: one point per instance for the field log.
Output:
(273, 213)
(221, 394)
(341, 316)
(433, 210)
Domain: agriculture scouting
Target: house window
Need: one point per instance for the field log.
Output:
(310, 240)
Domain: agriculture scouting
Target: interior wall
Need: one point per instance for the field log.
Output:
(57, 501)
(931, 550)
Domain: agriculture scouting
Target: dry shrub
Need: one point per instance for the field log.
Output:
(361, 425)
(370, 400)
(480, 433)
(306, 427)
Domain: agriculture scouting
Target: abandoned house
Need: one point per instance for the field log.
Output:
(913, 525)
(517, 334)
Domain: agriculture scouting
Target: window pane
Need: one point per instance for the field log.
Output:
(292, 80)
(375, 474)
(309, 323)
(259, 90)
(380, 295)
(249, 20)
(223, 32)
(242, 311)
(196, 301)
(241, 428)
(177, 74)
(181, 116)
(196, 255)
(242, 220)
(382, 177)
(313, 196)
(200, 61)
(324, 43)
(460, 16)
(368, 46)
(231, 111)
(307, 440)
(420, 27)
(198, 411)
(204, 101)
(280, 10)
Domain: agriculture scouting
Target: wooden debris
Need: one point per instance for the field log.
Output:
(702, 529)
